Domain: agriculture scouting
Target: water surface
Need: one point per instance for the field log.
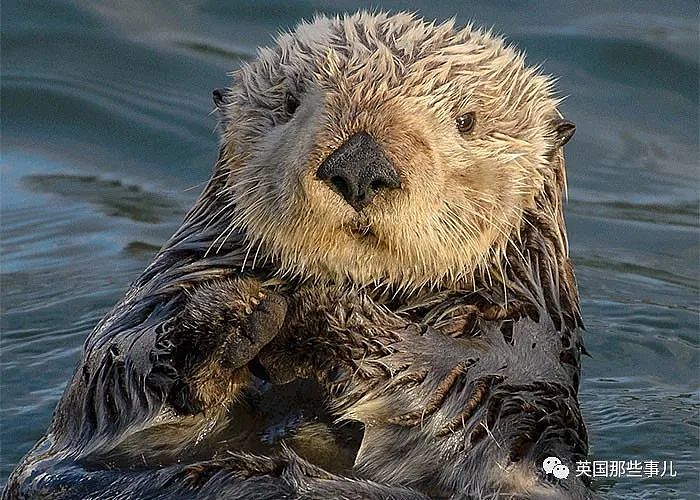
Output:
(106, 124)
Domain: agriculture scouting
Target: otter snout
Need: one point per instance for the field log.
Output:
(358, 170)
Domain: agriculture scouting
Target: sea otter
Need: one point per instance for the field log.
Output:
(384, 224)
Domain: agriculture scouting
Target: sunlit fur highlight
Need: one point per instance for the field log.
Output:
(404, 81)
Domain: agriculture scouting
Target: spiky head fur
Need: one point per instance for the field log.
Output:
(404, 81)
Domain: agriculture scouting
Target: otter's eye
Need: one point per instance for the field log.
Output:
(291, 103)
(466, 122)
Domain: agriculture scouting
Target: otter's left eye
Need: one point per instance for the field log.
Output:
(291, 103)
(466, 122)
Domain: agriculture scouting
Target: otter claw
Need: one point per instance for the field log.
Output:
(479, 393)
(261, 325)
(436, 399)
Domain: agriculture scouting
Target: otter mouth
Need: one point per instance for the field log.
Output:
(363, 233)
(361, 229)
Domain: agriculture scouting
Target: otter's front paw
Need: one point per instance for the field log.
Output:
(222, 328)
(259, 328)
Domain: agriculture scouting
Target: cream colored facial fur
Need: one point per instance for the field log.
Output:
(403, 81)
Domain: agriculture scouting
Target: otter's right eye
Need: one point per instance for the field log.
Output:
(291, 103)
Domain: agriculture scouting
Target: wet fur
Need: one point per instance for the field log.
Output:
(457, 346)
(403, 81)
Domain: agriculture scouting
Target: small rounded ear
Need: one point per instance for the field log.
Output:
(219, 96)
(564, 130)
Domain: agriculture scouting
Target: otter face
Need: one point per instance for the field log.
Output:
(382, 149)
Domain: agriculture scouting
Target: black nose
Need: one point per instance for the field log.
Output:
(358, 170)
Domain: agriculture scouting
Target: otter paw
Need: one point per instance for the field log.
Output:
(260, 326)
(265, 321)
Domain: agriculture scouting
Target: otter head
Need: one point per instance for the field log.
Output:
(383, 149)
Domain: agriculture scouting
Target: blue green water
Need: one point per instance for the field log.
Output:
(106, 124)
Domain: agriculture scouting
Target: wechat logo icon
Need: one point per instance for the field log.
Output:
(552, 465)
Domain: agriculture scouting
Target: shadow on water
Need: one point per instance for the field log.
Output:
(112, 197)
